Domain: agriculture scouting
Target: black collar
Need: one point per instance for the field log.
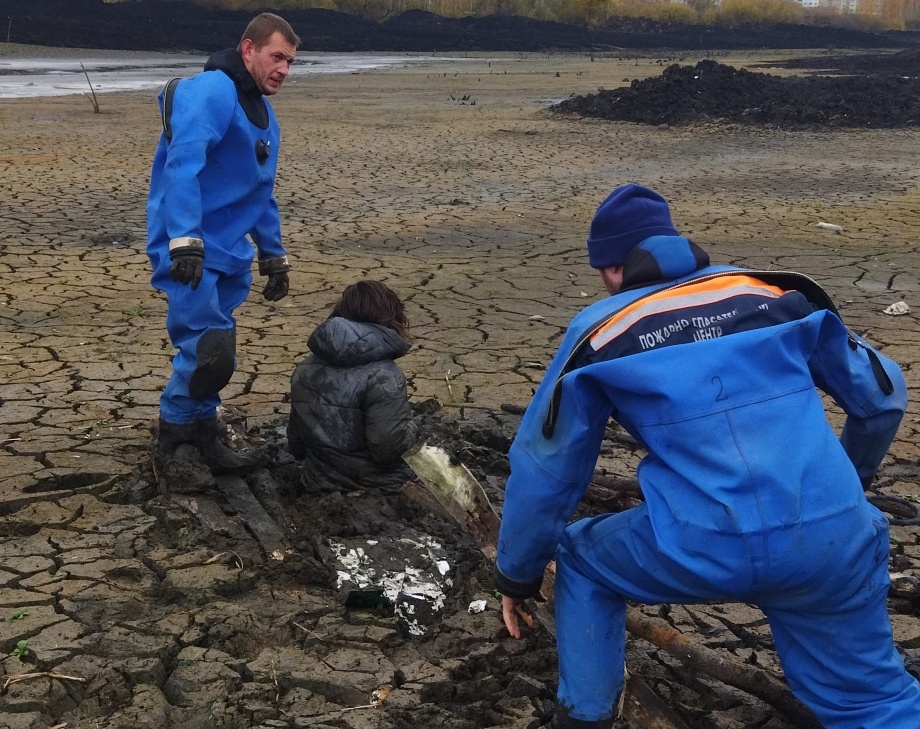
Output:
(250, 97)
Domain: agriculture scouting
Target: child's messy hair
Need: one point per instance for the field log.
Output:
(373, 302)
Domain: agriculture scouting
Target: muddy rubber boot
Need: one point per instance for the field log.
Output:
(220, 458)
(177, 463)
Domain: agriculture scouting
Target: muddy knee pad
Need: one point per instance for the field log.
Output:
(214, 359)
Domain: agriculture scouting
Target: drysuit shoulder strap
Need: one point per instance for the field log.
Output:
(169, 92)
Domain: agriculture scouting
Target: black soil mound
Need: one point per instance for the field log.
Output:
(184, 26)
(751, 35)
(712, 91)
(903, 63)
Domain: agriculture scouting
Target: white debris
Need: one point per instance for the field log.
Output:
(380, 695)
(402, 584)
(353, 560)
(898, 308)
(405, 611)
(537, 317)
(476, 607)
(831, 227)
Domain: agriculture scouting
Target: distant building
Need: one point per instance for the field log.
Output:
(841, 6)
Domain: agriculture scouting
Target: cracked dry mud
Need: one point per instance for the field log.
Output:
(160, 612)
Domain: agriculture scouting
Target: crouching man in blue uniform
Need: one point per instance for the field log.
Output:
(211, 193)
(749, 495)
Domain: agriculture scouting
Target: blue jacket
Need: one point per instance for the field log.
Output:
(214, 179)
(714, 371)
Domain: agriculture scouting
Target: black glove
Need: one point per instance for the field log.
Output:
(277, 287)
(187, 256)
(277, 271)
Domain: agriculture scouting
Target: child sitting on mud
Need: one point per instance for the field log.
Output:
(350, 414)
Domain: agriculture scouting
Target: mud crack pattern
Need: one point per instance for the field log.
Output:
(172, 614)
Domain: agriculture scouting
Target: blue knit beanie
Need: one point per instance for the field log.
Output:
(628, 216)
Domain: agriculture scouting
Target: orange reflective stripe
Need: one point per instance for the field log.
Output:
(707, 291)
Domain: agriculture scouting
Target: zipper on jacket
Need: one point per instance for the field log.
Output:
(810, 288)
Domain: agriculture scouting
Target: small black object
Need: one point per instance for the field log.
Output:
(263, 151)
(367, 599)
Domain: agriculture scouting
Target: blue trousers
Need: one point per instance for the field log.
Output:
(202, 328)
(822, 587)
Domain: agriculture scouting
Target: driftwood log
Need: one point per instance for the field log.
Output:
(451, 489)
(755, 681)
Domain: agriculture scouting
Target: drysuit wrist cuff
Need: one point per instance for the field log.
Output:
(278, 264)
(515, 588)
(186, 246)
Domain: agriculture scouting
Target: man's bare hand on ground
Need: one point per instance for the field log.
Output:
(512, 608)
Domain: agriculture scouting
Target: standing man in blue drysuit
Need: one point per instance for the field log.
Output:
(211, 193)
(749, 494)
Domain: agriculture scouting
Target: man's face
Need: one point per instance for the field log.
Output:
(270, 64)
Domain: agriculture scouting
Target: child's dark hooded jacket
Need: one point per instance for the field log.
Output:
(350, 415)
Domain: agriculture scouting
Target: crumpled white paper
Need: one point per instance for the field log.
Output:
(898, 308)
(476, 607)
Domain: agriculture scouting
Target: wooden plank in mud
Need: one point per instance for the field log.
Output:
(457, 492)
(211, 516)
(269, 535)
(266, 490)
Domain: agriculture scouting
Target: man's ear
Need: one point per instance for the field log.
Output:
(247, 48)
(612, 276)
